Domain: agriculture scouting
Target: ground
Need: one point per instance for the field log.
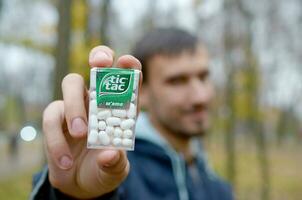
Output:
(285, 161)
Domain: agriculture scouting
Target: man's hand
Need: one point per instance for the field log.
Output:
(73, 169)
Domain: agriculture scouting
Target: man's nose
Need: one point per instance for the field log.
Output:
(200, 92)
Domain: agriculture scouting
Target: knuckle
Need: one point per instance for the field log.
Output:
(48, 122)
(55, 182)
(49, 114)
(54, 147)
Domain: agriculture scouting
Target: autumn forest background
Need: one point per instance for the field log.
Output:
(256, 55)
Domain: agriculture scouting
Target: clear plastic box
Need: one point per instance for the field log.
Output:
(112, 108)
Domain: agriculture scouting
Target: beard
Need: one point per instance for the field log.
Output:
(183, 133)
(179, 129)
(175, 125)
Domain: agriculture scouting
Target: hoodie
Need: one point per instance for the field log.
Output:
(157, 172)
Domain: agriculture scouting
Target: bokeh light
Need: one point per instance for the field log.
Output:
(28, 133)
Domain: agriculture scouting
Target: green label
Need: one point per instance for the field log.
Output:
(114, 87)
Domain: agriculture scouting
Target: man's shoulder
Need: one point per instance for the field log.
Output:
(220, 188)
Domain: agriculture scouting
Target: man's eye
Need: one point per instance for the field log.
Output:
(204, 76)
(177, 80)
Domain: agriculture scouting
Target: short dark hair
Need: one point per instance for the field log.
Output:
(164, 41)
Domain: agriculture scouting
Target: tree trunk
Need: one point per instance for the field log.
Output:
(229, 44)
(257, 124)
(63, 45)
(1, 5)
(105, 11)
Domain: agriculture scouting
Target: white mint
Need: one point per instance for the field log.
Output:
(92, 79)
(102, 125)
(93, 107)
(117, 141)
(93, 122)
(104, 113)
(113, 121)
(128, 133)
(118, 132)
(127, 124)
(127, 142)
(93, 95)
(93, 137)
(104, 138)
(135, 83)
(119, 113)
(131, 113)
(133, 97)
(109, 130)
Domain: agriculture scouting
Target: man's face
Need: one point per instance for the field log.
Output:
(178, 92)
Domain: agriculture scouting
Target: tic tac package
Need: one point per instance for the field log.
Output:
(112, 108)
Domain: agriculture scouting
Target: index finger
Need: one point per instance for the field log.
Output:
(74, 96)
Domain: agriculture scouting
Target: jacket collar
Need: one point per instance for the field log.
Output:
(146, 131)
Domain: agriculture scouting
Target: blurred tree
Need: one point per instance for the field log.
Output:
(105, 16)
(256, 123)
(230, 41)
(1, 5)
(14, 112)
(256, 126)
(242, 89)
(80, 45)
(150, 20)
(287, 126)
(84, 37)
(62, 50)
(15, 117)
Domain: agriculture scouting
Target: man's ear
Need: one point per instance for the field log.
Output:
(144, 96)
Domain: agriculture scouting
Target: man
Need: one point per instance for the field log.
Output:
(168, 161)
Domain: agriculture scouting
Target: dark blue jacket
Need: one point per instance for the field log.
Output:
(157, 173)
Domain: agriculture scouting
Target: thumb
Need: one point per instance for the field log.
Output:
(114, 162)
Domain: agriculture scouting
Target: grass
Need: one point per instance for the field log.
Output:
(285, 162)
(284, 169)
(16, 174)
(18, 186)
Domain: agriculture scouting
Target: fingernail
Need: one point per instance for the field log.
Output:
(100, 55)
(78, 126)
(65, 162)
